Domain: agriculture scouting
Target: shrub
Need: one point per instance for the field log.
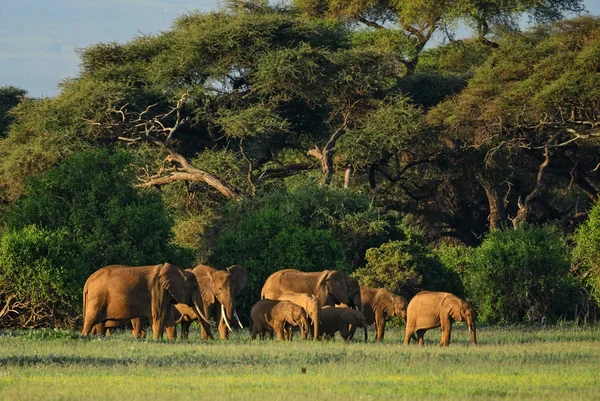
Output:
(88, 202)
(267, 241)
(521, 273)
(43, 274)
(91, 195)
(586, 253)
(406, 267)
(348, 215)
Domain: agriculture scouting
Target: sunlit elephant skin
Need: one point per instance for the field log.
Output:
(344, 320)
(428, 310)
(311, 306)
(219, 289)
(270, 316)
(105, 329)
(329, 286)
(378, 305)
(120, 293)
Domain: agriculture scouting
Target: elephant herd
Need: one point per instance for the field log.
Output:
(317, 303)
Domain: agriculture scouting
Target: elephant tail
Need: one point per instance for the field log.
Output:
(85, 293)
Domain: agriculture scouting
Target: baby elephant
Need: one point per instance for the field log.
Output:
(270, 316)
(334, 319)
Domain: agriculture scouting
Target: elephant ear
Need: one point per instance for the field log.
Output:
(172, 280)
(239, 278)
(452, 305)
(205, 281)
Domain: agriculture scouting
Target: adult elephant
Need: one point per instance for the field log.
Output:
(428, 310)
(378, 305)
(219, 289)
(329, 286)
(120, 292)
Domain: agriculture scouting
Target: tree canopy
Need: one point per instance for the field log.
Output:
(335, 129)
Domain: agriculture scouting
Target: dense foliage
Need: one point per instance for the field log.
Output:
(76, 218)
(522, 274)
(406, 267)
(586, 255)
(301, 135)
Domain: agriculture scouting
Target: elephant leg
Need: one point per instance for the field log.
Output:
(410, 331)
(280, 331)
(223, 330)
(185, 329)
(97, 330)
(158, 328)
(344, 333)
(420, 334)
(379, 326)
(136, 327)
(171, 332)
(205, 332)
(446, 332)
(352, 330)
(92, 317)
(255, 330)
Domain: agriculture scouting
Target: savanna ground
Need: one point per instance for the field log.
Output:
(550, 363)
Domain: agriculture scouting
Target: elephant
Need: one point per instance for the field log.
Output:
(378, 304)
(218, 289)
(330, 286)
(270, 316)
(105, 329)
(428, 310)
(118, 292)
(311, 305)
(342, 319)
(354, 293)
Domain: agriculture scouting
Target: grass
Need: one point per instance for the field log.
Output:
(549, 363)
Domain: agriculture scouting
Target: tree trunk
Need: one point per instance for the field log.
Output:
(497, 211)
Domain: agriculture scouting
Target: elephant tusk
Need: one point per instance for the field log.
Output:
(225, 317)
(238, 319)
(199, 313)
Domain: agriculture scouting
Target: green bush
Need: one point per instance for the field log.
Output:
(520, 274)
(42, 270)
(89, 203)
(267, 241)
(406, 267)
(91, 195)
(586, 253)
(348, 215)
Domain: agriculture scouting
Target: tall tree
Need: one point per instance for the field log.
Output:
(408, 25)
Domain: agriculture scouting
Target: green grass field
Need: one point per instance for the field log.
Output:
(550, 363)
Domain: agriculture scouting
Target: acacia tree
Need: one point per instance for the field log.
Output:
(407, 26)
(531, 112)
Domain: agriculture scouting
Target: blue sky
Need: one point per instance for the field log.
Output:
(39, 38)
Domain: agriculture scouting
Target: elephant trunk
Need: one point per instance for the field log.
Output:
(366, 335)
(304, 326)
(473, 334)
(316, 318)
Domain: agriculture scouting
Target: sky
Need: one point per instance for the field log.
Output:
(39, 38)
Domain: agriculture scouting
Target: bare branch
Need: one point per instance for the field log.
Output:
(250, 169)
(523, 206)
